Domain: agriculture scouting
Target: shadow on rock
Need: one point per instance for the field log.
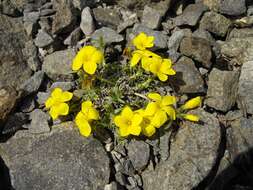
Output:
(5, 181)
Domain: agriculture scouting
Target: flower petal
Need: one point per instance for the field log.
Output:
(84, 128)
(151, 109)
(120, 121)
(159, 119)
(136, 57)
(66, 96)
(77, 62)
(148, 130)
(93, 114)
(54, 112)
(154, 96)
(137, 119)
(162, 77)
(168, 100)
(56, 93)
(86, 105)
(62, 109)
(192, 103)
(49, 103)
(134, 130)
(149, 41)
(97, 57)
(87, 51)
(123, 131)
(191, 117)
(90, 67)
(127, 113)
(170, 112)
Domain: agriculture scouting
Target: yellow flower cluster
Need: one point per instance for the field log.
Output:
(150, 61)
(159, 110)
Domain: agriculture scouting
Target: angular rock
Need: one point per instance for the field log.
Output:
(151, 18)
(246, 86)
(39, 122)
(129, 20)
(240, 33)
(215, 23)
(61, 159)
(42, 97)
(113, 186)
(107, 17)
(15, 122)
(73, 38)
(8, 97)
(31, 54)
(108, 35)
(138, 153)
(57, 65)
(197, 48)
(203, 34)
(66, 86)
(12, 60)
(187, 78)
(43, 39)
(32, 85)
(80, 4)
(222, 89)
(238, 50)
(191, 15)
(213, 5)
(65, 18)
(233, 7)
(87, 23)
(176, 38)
(27, 105)
(161, 39)
(239, 136)
(193, 154)
(8, 8)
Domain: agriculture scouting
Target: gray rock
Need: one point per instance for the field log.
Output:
(43, 39)
(8, 97)
(203, 34)
(57, 65)
(138, 153)
(238, 50)
(66, 86)
(47, 12)
(193, 153)
(15, 122)
(113, 186)
(222, 89)
(213, 5)
(80, 4)
(160, 41)
(65, 19)
(107, 17)
(215, 23)
(120, 178)
(250, 10)
(87, 23)
(151, 18)
(127, 22)
(197, 48)
(74, 37)
(39, 122)
(61, 159)
(246, 86)
(240, 33)
(187, 78)
(239, 137)
(13, 67)
(31, 17)
(233, 7)
(191, 15)
(31, 54)
(108, 35)
(176, 38)
(32, 85)
(8, 8)
(42, 97)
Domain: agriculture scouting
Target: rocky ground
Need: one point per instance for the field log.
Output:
(211, 45)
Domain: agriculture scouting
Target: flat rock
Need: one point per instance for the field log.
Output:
(193, 154)
(15, 122)
(239, 137)
(12, 59)
(138, 152)
(191, 15)
(151, 17)
(240, 33)
(74, 37)
(87, 23)
(215, 23)
(43, 39)
(246, 86)
(39, 122)
(238, 50)
(63, 85)
(61, 159)
(8, 97)
(187, 78)
(222, 89)
(197, 48)
(31, 54)
(176, 38)
(107, 17)
(65, 18)
(233, 7)
(57, 65)
(108, 35)
(160, 41)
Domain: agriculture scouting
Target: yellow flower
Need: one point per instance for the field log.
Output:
(56, 103)
(143, 56)
(87, 114)
(128, 122)
(88, 57)
(143, 41)
(161, 68)
(192, 103)
(191, 117)
(150, 123)
(161, 104)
